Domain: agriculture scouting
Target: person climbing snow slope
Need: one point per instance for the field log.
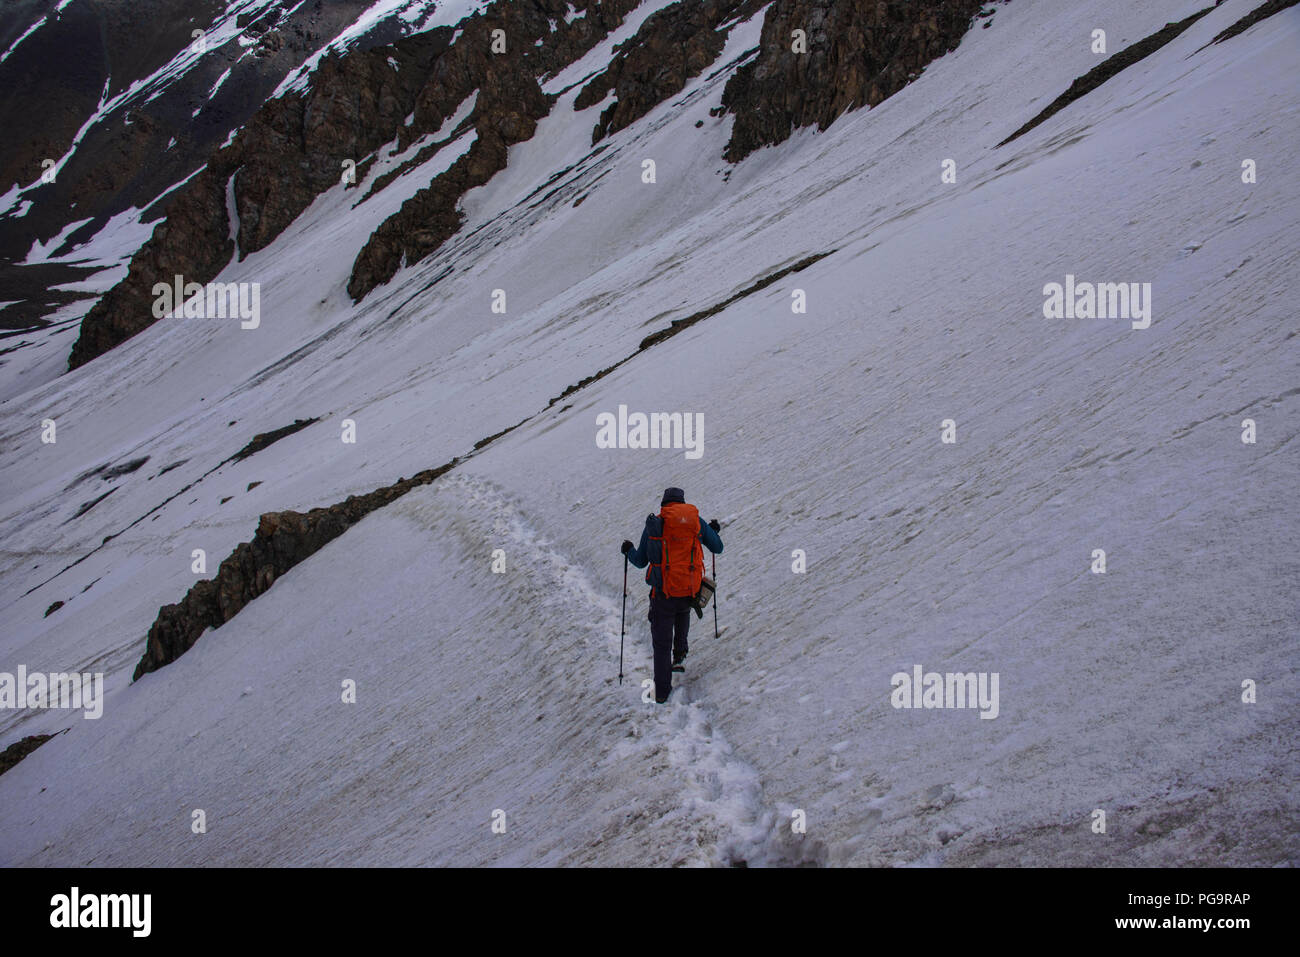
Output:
(671, 547)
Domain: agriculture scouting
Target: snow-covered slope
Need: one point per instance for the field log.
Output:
(480, 692)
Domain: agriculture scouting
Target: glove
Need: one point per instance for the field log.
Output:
(713, 524)
(627, 546)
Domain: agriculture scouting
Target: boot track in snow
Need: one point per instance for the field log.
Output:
(721, 796)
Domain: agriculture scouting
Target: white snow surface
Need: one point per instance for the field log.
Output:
(113, 245)
(25, 34)
(481, 692)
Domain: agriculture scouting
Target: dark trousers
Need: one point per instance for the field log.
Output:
(670, 619)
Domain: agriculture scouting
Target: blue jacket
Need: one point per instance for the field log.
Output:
(646, 553)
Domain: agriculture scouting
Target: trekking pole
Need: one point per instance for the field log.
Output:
(715, 596)
(622, 625)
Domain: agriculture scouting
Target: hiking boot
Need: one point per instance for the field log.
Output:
(679, 656)
(664, 699)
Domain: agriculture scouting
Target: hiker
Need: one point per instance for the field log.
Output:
(670, 545)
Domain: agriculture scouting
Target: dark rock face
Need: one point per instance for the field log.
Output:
(294, 147)
(510, 102)
(507, 112)
(1108, 68)
(151, 141)
(265, 439)
(1262, 12)
(193, 242)
(673, 46)
(32, 292)
(292, 151)
(123, 468)
(859, 53)
(20, 749)
(282, 540)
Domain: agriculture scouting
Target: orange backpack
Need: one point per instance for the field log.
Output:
(681, 566)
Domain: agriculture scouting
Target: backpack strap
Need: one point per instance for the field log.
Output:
(663, 549)
(663, 555)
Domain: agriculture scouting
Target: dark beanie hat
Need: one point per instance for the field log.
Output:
(673, 495)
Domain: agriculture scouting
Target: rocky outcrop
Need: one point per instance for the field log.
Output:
(193, 242)
(282, 540)
(148, 142)
(294, 147)
(297, 149)
(673, 46)
(265, 439)
(859, 52)
(510, 102)
(1262, 12)
(292, 151)
(1108, 68)
(507, 112)
(20, 749)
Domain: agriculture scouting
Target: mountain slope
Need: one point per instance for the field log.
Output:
(144, 93)
(480, 692)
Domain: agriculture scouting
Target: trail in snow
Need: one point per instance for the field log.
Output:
(722, 797)
(475, 692)
(484, 691)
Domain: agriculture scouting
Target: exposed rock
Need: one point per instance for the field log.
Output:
(674, 45)
(107, 472)
(264, 439)
(1108, 68)
(292, 151)
(53, 608)
(282, 540)
(31, 292)
(294, 147)
(272, 41)
(192, 242)
(510, 102)
(150, 142)
(20, 749)
(507, 112)
(1263, 11)
(126, 468)
(87, 506)
(859, 53)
